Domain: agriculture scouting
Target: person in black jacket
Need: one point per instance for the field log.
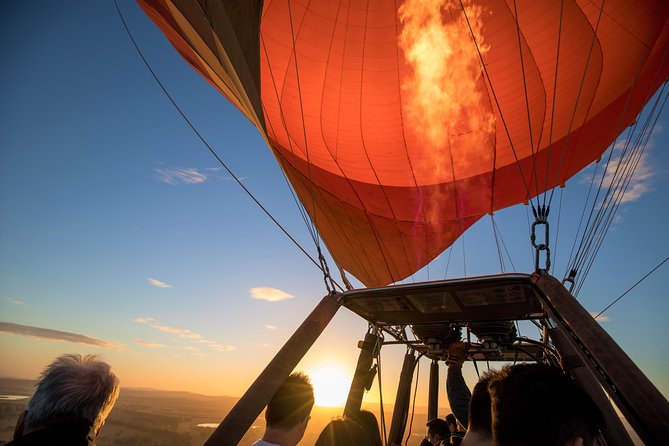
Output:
(74, 395)
(472, 409)
(536, 404)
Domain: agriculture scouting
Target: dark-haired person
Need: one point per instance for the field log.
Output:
(536, 404)
(437, 433)
(367, 420)
(479, 432)
(343, 432)
(455, 434)
(287, 413)
(74, 395)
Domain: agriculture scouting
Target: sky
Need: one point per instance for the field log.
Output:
(120, 235)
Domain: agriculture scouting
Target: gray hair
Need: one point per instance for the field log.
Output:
(73, 390)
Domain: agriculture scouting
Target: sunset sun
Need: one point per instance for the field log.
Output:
(331, 385)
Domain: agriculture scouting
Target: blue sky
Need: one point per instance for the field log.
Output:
(107, 193)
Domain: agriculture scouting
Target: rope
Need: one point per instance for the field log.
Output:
(292, 151)
(527, 101)
(557, 231)
(615, 188)
(606, 204)
(578, 97)
(503, 244)
(299, 91)
(464, 256)
(327, 278)
(593, 235)
(499, 108)
(211, 150)
(499, 249)
(552, 119)
(632, 287)
(587, 200)
(628, 161)
(308, 223)
(448, 262)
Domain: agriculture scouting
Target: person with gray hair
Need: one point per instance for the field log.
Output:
(73, 397)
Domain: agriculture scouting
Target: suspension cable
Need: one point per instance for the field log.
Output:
(622, 175)
(464, 256)
(617, 187)
(557, 231)
(448, 262)
(632, 287)
(621, 116)
(552, 118)
(499, 107)
(304, 127)
(628, 161)
(213, 152)
(501, 238)
(499, 249)
(527, 102)
(578, 97)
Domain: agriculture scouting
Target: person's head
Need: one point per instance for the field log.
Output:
(537, 404)
(479, 432)
(370, 425)
(452, 423)
(288, 410)
(343, 432)
(437, 430)
(73, 390)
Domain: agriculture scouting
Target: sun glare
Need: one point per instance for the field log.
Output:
(331, 385)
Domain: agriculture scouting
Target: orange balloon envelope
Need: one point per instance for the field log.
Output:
(401, 123)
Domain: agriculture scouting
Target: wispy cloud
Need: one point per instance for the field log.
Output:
(601, 318)
(184, 333)
(55, 335)
(149, 344)
(14, 301)
(194, 350)
(639, 184)
(617, 170)
(270, 327)
(180, 175)
(269, 294)
(266, 345)
(158, 283)
(180, 332)
(216, 346)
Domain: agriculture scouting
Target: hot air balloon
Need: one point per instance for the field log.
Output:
(400, 124)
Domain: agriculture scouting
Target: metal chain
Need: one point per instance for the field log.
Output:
(329, 282)
(541, 219)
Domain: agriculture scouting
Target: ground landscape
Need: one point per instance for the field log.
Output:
(155, 417)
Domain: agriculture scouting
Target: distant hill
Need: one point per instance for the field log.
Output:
(140, 416)
(13, 386)
(150, 417)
